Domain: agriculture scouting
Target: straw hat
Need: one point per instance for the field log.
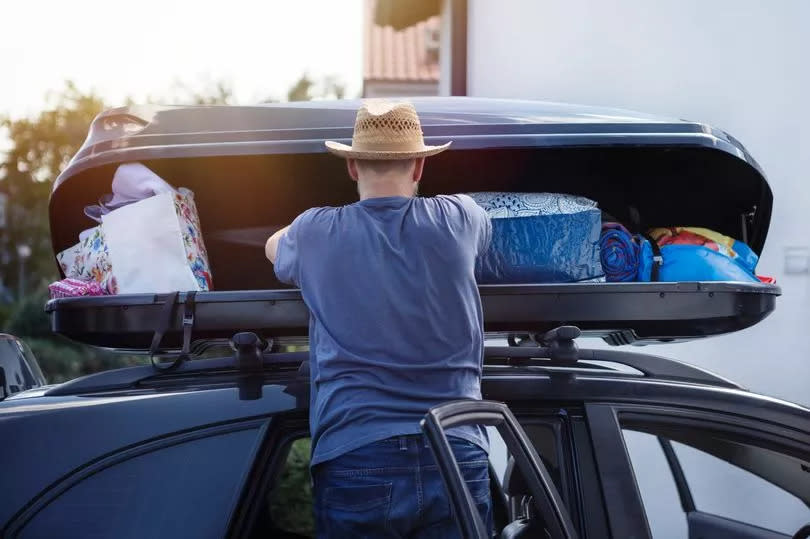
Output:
(385, 130)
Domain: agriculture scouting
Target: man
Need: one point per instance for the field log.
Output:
(395, 328)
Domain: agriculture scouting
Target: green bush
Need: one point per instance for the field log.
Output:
(5, 312)
(28, 318)
(291, 501)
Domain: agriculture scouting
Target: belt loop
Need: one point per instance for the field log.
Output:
(403, 443)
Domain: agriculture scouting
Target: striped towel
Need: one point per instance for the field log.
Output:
(71, 288)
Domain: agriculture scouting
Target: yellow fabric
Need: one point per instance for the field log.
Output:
(720, 239)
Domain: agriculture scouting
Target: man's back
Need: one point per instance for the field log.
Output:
(396, 322)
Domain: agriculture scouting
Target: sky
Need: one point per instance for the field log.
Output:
(144, 48)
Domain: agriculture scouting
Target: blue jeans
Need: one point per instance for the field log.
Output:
(393, 488)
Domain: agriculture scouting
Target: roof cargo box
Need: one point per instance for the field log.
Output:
(253, 169)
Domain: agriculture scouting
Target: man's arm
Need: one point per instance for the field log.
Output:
(271, 247)
(480, 220)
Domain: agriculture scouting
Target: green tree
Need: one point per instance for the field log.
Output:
(40, 148)
(307, 88)
(301, 90)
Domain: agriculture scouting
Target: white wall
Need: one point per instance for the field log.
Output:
(740, 65)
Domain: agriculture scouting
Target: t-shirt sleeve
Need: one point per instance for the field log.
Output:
(480, 221)
(289, 252)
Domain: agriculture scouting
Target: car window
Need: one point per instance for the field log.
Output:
(547, 435)
(183, 490)
(656, 485)
(545, 439)
(18, 376)
(717, 487)
(291, 498)
(725, 490)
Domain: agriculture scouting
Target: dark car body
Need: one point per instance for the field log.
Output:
(61, 441)
(204, 450)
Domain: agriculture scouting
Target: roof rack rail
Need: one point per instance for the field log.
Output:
(126, 378)
(649, 365)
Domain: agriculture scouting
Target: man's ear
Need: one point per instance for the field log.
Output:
(351, 165)
(418, 168)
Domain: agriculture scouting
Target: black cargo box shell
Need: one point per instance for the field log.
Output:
(253, 169)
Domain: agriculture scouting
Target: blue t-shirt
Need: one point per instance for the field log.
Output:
(395, 316)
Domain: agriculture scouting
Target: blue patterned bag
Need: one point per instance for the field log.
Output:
(540, 238)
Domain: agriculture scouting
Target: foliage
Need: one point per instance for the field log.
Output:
(291, 501)
(41, 147)
(300, 91)
(28, 318)
(305, 88)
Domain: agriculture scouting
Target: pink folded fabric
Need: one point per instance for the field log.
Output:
(72, 288)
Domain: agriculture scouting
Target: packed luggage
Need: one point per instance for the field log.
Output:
(541, 238)
(148, 240)
(559, 238)
(676, 254)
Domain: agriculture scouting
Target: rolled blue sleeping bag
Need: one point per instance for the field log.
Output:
(540, 238)
(620, 253)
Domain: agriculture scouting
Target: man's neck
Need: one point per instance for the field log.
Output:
(384, 189)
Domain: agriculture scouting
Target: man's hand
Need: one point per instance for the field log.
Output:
(271, 247)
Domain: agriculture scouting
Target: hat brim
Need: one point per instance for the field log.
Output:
(343, 150)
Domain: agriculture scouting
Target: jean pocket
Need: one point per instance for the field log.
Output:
(355, 510)
(357, 497)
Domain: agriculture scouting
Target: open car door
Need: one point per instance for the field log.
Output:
(550, 518)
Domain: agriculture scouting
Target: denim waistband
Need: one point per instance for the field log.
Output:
(404, 440)
(417, 439)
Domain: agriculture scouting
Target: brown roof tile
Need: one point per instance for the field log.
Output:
(391, 55)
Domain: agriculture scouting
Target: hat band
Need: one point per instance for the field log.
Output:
(388, 146)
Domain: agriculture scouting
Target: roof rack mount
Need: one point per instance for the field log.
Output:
(252, 357)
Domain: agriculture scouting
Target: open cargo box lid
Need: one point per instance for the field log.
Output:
(253, 169)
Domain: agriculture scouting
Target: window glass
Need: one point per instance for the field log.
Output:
(656, 486)
(725, 490)
(291, 499)
(184, 490)
(718, 487)
(543, 437)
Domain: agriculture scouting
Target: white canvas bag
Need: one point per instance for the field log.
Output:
(147, 247)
